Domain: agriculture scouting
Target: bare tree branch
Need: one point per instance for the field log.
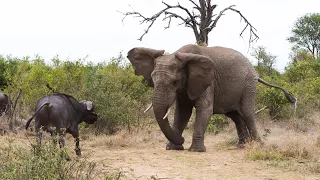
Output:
(195, 4)
(201, 22)
(190, 21)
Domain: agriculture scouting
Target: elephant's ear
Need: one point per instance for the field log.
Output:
(142, 60)
(200, 72)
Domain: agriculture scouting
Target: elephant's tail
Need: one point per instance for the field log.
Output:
(288, 95)
(29, 121)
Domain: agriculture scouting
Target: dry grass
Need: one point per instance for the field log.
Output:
(126, 139)
(293, 144)
(286, 149)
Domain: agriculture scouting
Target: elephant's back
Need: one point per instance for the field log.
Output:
(233, 75)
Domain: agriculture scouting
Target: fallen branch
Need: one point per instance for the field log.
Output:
(257, 112)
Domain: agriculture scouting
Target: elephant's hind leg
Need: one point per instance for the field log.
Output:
(247, 113)
(241, 127)
(181, 119)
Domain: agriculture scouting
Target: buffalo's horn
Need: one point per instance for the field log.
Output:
(88, 104)
(149, 107)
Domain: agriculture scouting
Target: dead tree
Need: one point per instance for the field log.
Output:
(200, 19)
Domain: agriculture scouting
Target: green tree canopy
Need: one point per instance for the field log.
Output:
(306, 33)
(266, 61)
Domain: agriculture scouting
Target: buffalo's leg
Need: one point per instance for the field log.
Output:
(61, 139)
(75, 135)
(39, 136)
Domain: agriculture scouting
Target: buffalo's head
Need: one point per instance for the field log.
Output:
(90, 116)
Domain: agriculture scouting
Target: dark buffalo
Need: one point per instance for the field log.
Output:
(5, 104)
(64, 113)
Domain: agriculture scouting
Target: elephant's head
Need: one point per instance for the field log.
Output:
(171, 75)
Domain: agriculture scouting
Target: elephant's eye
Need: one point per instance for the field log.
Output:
(175, 82)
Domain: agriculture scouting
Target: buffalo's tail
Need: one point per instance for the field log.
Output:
(29, 121)
(288, 95)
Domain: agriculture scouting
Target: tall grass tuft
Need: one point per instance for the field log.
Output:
(45, 161)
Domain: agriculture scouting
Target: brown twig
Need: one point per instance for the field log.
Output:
(201, 23)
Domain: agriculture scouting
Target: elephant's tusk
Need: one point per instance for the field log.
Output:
(147, 108)
(166, 115)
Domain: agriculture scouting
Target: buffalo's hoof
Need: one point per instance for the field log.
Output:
(171, 146)
(78, 152)
(241, 145)
(197, 148)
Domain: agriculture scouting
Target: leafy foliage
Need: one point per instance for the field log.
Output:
(216, 124)
(266, 61)
(44, 161)
(306, 33)
(118, 94)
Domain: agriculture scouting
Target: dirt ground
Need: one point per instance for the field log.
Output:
(143, 156)
(152, 161)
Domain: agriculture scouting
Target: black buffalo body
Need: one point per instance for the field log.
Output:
(64, 113)
(5, 104)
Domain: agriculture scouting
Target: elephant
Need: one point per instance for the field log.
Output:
(5, 104)
(62, 112)
(213, 80)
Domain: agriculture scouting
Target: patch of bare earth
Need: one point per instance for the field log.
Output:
(142, 155)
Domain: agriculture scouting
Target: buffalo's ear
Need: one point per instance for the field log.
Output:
(142, 60)
(200, 72)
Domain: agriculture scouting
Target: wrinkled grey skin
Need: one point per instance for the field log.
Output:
(5, 104)
(214, 80)
(62, 112)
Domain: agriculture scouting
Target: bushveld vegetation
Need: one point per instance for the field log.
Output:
(121, 97)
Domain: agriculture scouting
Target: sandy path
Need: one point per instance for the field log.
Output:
(154, 162)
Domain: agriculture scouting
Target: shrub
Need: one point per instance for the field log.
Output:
(216, 124)
(44, 161)
(118, 94)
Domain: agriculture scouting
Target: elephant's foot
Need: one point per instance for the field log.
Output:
(197, 148)
(171, 146)
(241, 145)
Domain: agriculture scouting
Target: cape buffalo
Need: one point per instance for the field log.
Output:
(62, 112)
(5, 104)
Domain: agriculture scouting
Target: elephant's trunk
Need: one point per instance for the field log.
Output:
(160, 108)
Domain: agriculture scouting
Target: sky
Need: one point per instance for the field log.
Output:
(94, 29)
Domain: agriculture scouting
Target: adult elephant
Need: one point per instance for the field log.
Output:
(214, 80)
(5, 104)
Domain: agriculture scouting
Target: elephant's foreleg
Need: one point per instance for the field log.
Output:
(203, 114)
(241, 127)
(181, 119)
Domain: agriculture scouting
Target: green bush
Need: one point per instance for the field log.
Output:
(117, 93)
(44, 161)
(216, 124)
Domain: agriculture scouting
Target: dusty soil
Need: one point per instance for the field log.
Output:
(152, 161)
(143, 156)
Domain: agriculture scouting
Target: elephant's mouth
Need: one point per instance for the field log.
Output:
(165, 116)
